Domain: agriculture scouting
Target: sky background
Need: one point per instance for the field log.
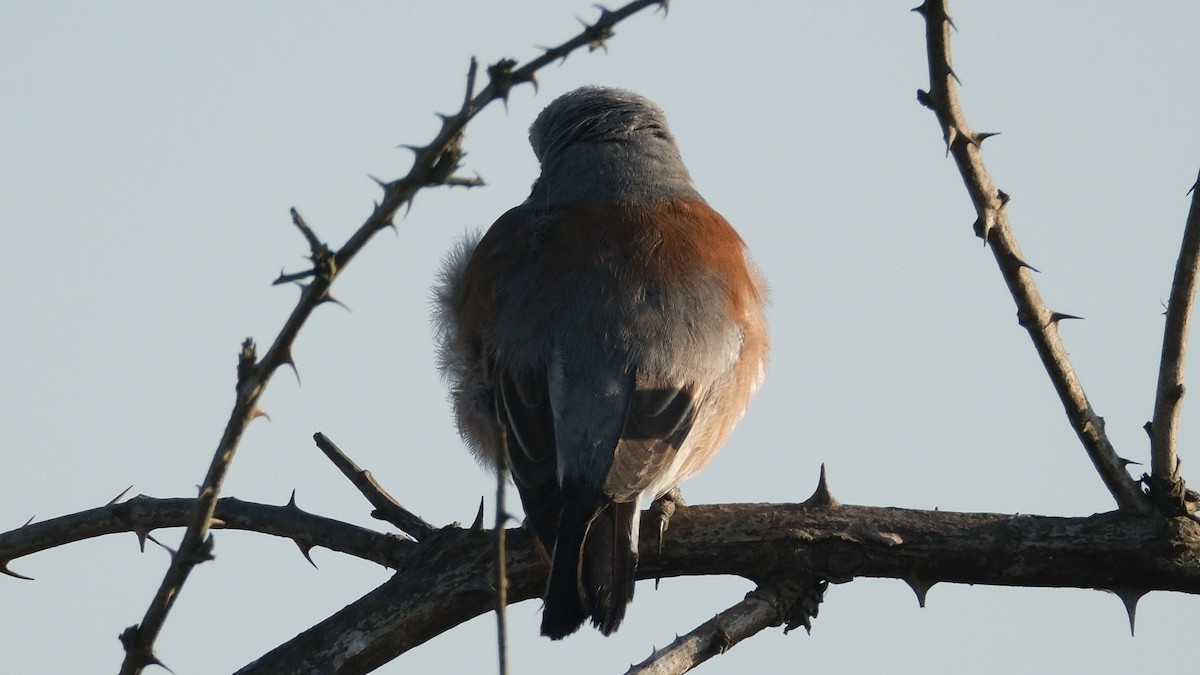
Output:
(149, 153)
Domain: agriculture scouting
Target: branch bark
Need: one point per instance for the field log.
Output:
(1166, 486)
(752, 615)
(386, 506)
(992, 225)
(447, 580)
(141, 515)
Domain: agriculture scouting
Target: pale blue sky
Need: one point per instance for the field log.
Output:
(149, 153)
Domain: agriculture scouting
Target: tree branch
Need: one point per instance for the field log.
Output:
(1166, 486)
(434, 164)
(142, 514)
(752, 615)
(993, 227)
(447, 579)
(386, 506)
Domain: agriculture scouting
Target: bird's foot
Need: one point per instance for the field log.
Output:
(663, 508)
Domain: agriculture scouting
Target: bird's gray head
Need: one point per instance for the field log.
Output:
(607, 143)
(595, 115)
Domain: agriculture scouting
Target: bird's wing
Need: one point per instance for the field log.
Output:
(523, 407)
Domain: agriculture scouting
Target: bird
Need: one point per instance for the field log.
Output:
(600, 340)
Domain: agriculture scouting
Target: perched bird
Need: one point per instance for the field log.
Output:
(604, 336)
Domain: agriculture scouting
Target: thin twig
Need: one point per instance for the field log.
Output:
(1164, 472)
(501, 579)
(386, 507)
(714, 637)
(433, 165)
(992, 225)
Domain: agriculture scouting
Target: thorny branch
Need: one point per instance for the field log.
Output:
(386, 506)
(433, 165)
(1166, 486)
(714, 637)
(447, 580)
(993, 227)
(142, 515)
(448, 576)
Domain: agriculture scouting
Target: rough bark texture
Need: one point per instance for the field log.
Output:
(445, 580)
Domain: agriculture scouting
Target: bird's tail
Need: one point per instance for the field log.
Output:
(595, 560)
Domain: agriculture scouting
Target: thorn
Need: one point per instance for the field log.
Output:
(1148, 427)
(29, 521)
(984, 224)
(304, 551)
(1126, 462)
(215, 522)
(291, 503)
(288, 359)
(983, 136)
(416, 150)
(206, 550)
(1129, 597)
(1055, 317)
(477, 526)
(950, 134)
(142, 536)
(665, 5)
(164, 546)
(259, 412)
(951, 71)
(1022, 263)
(329, 298)
(114, 500)
(1193, 188)
(382, 183)
(154, 661)
(1003, 197)
(7, 572)
(921, 588)
(285, 278)
(821, 497)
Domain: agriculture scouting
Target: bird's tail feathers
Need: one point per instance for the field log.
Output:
(595, 564)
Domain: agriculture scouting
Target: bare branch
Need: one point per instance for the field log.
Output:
(447, 579)
(714, 637)
(1166, 486)
(993, 227)
(386, 507)
(501, 564)
(142, 514)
